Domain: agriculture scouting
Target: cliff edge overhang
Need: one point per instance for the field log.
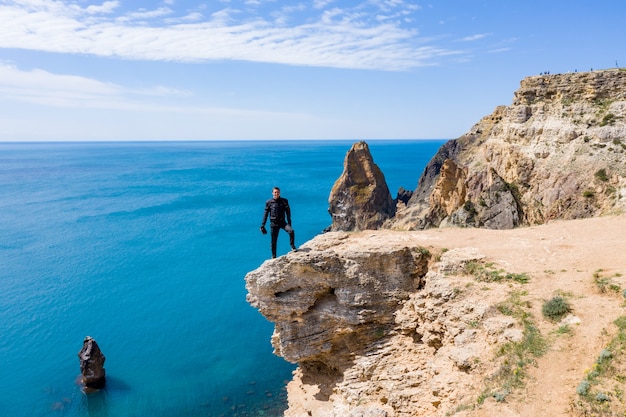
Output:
(334, 296)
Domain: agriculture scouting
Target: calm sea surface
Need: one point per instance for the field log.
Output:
(144, 247)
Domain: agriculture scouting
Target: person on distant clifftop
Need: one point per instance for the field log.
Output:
(277, 208)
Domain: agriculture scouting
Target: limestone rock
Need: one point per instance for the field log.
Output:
(91, 364)
(329, 301)
(556, 153)
(360, 198)
(377, 326)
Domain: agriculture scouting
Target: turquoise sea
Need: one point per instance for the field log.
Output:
(144, 247)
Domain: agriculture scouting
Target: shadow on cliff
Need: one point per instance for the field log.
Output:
(327, 377)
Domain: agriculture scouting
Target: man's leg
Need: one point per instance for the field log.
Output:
(274, 232)
(292, 236)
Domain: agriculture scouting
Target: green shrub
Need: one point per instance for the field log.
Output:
(606, 283)
(608, 119)
(620, 322)
(556, 308)
(565, 329)
(515, 357)
(488, 273)
(583, 388)
(608, 367)
(500, 396)
(601, 175)
(468, 206)
(604, 355)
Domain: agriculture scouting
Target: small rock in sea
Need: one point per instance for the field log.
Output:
(91, 365)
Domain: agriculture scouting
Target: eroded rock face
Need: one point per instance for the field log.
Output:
(556, 153)
(378, 327)
(91, 364)
(329, 302)
(360, 198)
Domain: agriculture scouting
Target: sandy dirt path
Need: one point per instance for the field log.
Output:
(561, 257)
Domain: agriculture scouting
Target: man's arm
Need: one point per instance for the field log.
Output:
(288, 212)
(265, 213)
(263, 229)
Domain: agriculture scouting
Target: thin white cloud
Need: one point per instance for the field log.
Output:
(143, 14)
(475, 37)
(47, 89)
(106, 7)
(191, 17)
(387, 5)
(339, 38)
(80, 108)
(320, 4)
(59, 90)
(504, 45)
(499, 50)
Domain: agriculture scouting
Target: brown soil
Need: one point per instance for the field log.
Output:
(562, 256)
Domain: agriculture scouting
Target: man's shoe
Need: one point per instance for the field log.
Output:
(294, 249)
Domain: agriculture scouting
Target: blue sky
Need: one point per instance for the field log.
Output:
(272, 69)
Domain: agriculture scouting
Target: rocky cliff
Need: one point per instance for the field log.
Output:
(557, 152)
(341, 306)
(329, 302)
(452, 321)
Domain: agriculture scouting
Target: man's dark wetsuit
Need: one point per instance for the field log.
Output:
(280, 218)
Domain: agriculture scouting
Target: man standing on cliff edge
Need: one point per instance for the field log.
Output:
(277, 208)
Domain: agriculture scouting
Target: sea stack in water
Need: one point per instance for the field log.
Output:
(91, 364)
(360, 198)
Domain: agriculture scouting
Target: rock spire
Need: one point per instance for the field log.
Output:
(360, 198)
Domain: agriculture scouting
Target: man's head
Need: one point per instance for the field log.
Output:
(276, 192)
